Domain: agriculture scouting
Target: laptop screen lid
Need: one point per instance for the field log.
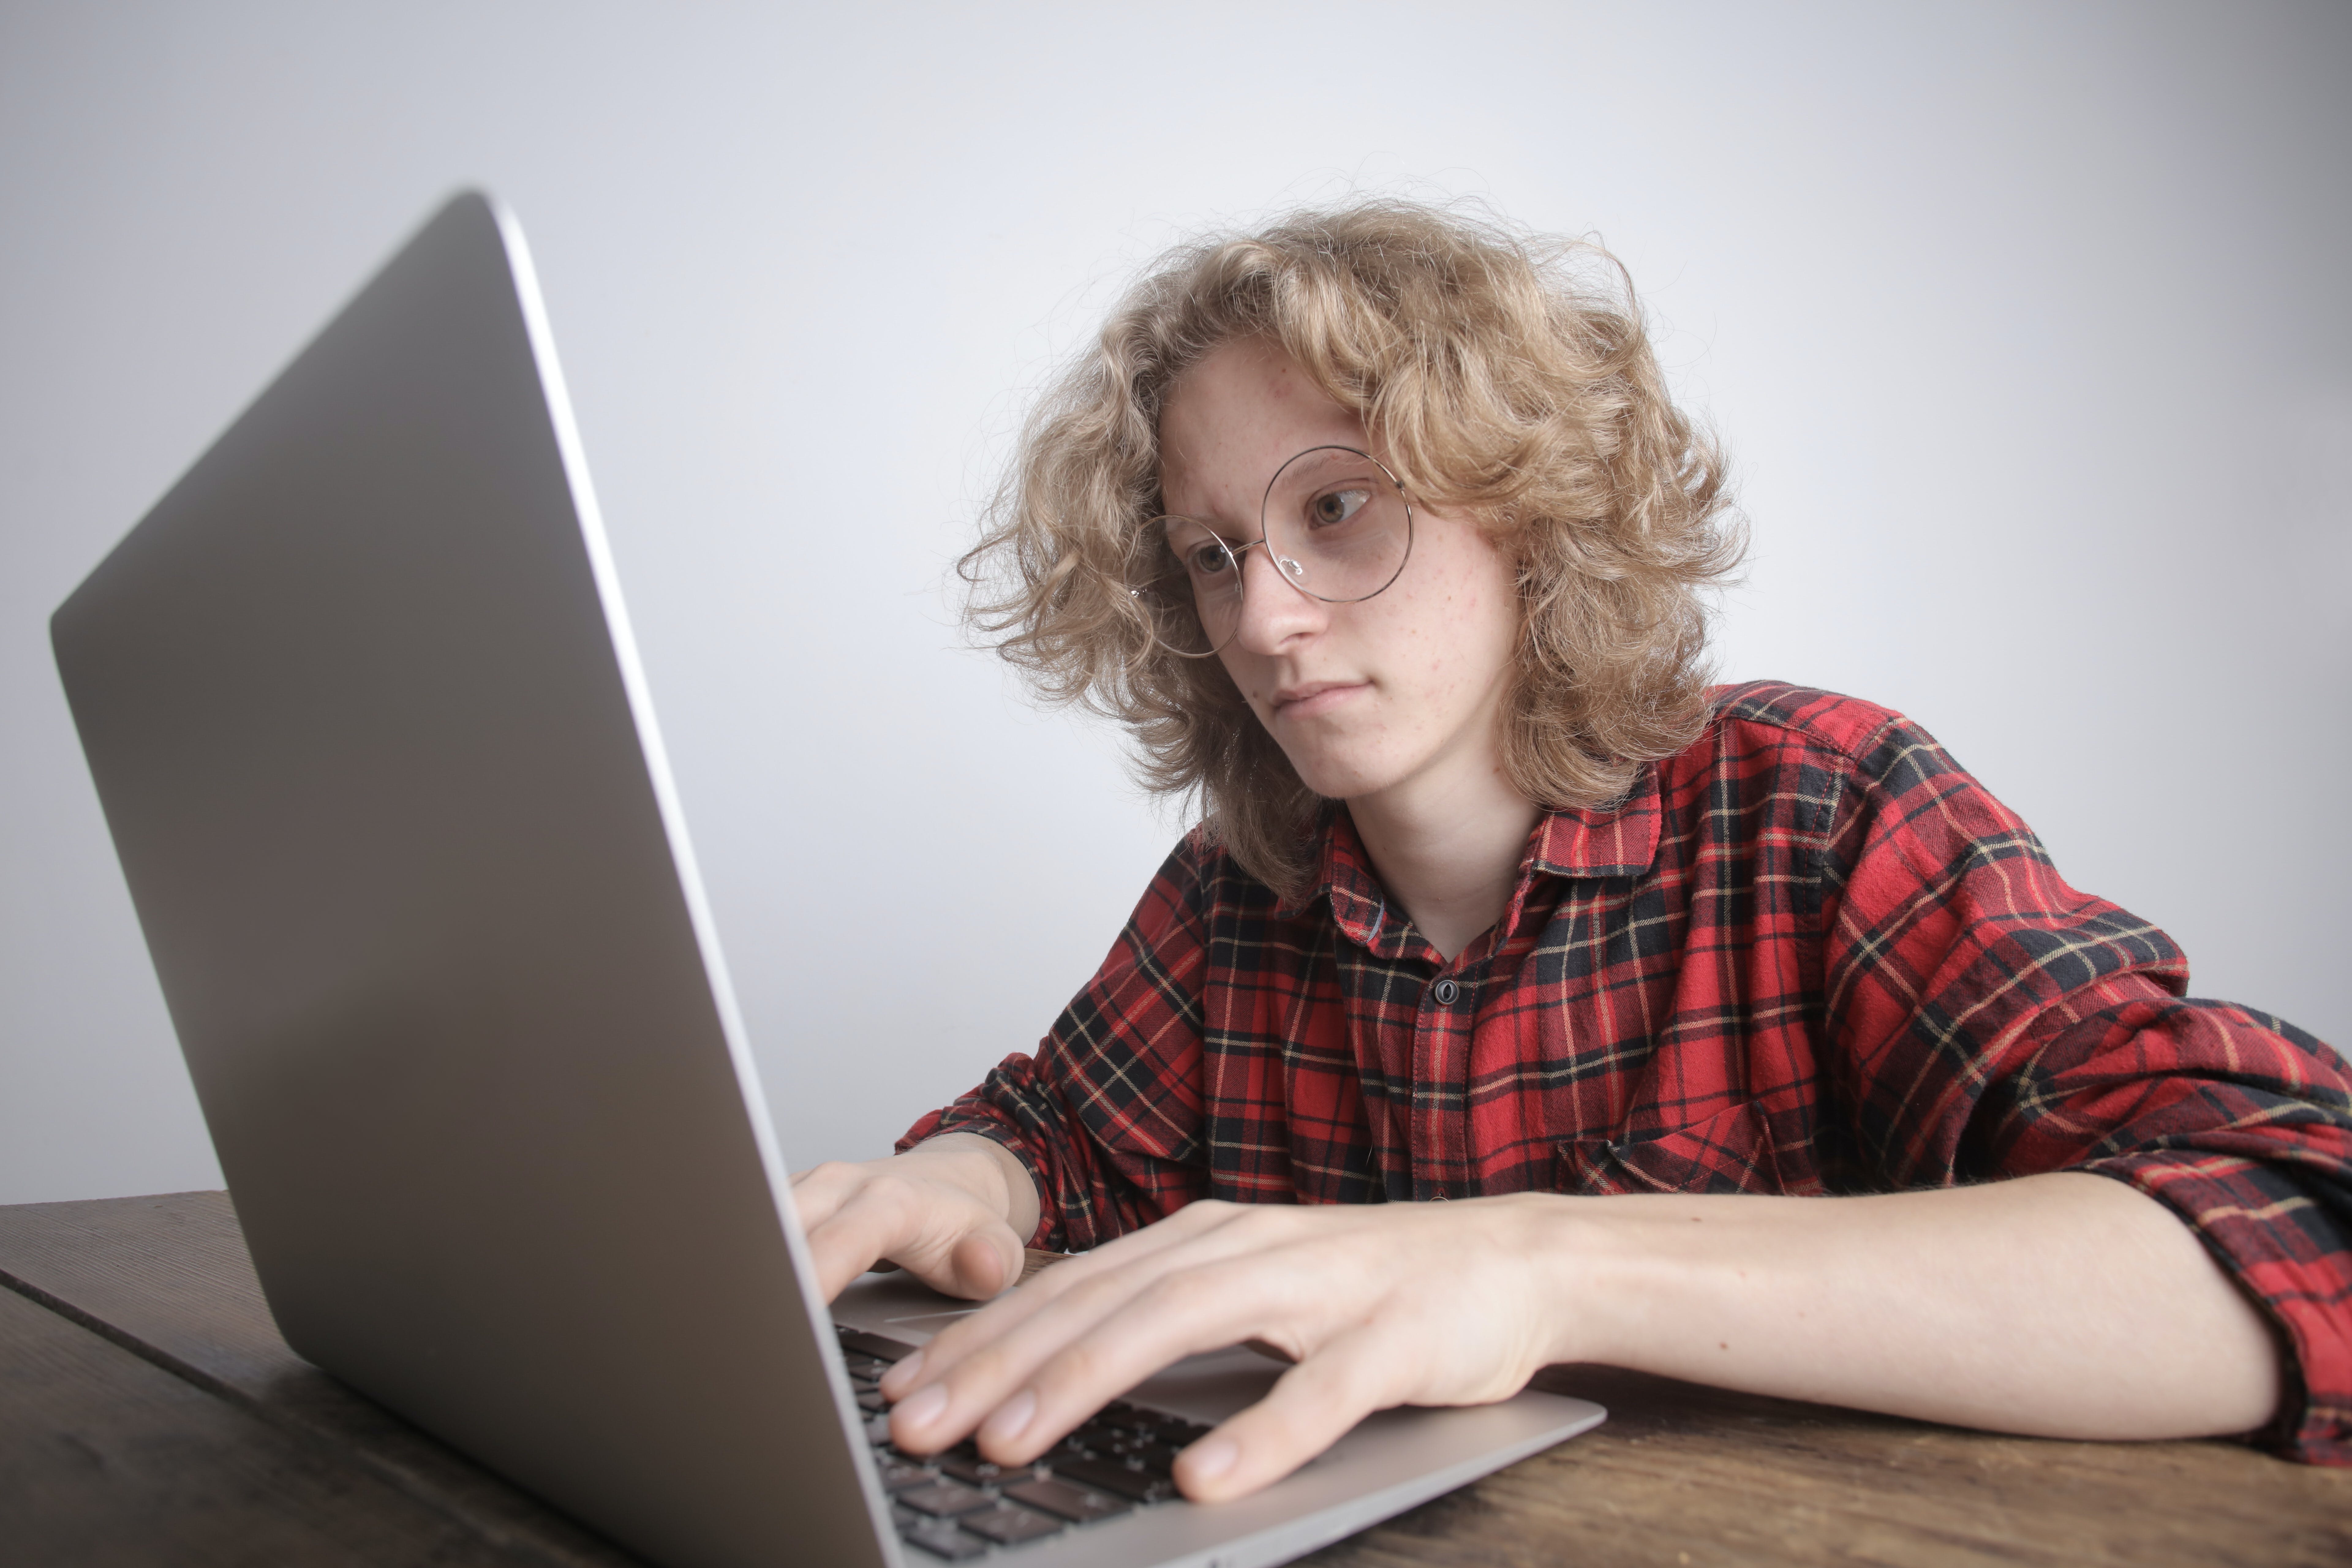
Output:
(355, 694)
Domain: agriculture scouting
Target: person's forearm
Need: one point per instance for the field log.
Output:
(2063, 1305)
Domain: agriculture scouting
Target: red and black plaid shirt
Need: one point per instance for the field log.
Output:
(1808, 954)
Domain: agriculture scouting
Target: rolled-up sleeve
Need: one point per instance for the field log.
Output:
(1997, 1022)
(2239, 1122)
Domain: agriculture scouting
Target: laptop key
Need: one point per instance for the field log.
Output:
(1178, 1433)
(1130, 1417)
(1009, 1526)
(980, 1472)
(1157, 1458)
(874, 1345)
(940, 1537)
(898, 1476)
(1111, 1476)
(945, 1497)
(1081, 1505)
(871, 1401)
(1097, 1440)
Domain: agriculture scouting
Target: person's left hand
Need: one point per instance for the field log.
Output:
(1454, 1304)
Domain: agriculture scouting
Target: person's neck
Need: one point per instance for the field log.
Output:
(1448, 849)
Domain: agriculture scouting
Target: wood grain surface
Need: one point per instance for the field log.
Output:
(106, 1459)
(168, 1279)
(1680, 1476)
(1685, 1476)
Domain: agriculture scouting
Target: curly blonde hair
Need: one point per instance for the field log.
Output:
(1502, 375)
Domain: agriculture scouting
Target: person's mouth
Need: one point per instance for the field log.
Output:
(1313, 697)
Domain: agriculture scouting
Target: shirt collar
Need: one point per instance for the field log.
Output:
(1569, 841)
(1619, 841)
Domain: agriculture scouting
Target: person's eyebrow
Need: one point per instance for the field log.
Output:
(1233, 537)
(1224, 528)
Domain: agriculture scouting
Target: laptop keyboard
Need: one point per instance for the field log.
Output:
(957, 1505)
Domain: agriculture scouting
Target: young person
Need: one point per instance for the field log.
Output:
(1744, 1037)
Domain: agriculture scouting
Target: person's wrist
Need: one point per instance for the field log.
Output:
(1586, 1276)
(987, 1172)
(952, 1159)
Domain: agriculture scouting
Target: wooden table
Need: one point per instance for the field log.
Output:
(151, 1414)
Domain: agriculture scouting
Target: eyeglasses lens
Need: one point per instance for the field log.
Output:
(1335, 524)
(1196, 603)
(1337, 528)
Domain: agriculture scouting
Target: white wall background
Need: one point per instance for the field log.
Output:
(2027, 325)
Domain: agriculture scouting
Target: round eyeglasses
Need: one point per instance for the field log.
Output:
(1334, 523)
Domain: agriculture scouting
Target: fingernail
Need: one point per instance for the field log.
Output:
(923, 1408)
(904, 1373)
(1210, 1458)
(1011, 1418)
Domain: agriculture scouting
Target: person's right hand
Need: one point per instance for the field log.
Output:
(953, 1212)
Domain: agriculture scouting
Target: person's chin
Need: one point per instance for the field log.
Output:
(1333, 746)
(1334, 777)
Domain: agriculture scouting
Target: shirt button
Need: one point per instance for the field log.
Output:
(1445, 991)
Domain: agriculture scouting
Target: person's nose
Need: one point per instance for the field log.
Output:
(1273, 611)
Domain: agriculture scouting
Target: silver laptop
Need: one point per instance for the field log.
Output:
(363, 708)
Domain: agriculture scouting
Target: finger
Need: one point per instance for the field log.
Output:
(967, 1371)
(850, 1236)
(984, 1264)
(1134, 1262)
(1199, 1308)
(848, 1222)
(818, 1191)
(1310, 1407)
(1025, 1390)
(1068, 1300)
(1019, 1333)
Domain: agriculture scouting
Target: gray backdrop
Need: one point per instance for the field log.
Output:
(2026, 326)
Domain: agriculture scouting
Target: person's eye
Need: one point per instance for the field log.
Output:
(1207, 560)
(1335, 507)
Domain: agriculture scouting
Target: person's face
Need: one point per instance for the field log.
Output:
(1401, 690)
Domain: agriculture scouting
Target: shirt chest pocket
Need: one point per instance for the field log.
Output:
(1730, 1151)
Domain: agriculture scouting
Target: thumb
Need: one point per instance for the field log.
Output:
(983, 1262)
